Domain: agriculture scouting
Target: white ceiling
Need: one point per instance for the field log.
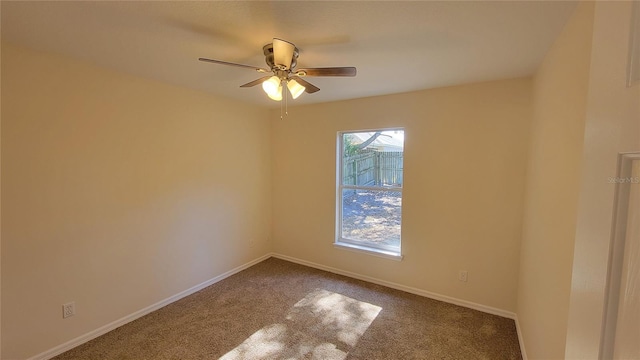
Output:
(396, 46)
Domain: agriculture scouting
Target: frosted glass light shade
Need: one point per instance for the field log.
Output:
(273, 88)
(295, 88)
(277, 96)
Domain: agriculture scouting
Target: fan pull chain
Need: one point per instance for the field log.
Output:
(286, 104)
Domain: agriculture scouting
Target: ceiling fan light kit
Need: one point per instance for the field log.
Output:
(295, 88)
(282, 58)
(273, 88)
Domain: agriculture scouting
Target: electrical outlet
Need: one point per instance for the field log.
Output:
(462, 275)
(68, 309)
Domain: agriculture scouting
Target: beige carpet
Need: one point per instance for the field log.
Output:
(280, 310)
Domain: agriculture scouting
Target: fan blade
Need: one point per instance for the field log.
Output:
(256, 82)
(283, 53)
(234, 64)
(308, 87)
(329, 71)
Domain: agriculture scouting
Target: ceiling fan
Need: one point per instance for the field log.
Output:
(282, 57)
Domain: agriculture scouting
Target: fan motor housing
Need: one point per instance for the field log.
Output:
(268, 54)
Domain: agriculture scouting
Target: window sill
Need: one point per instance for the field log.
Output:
(370, 251)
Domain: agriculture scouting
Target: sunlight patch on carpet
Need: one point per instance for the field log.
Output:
(323, 325)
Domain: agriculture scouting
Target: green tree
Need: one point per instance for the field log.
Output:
(351, 148)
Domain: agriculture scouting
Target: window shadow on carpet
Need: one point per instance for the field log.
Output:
(322, 325)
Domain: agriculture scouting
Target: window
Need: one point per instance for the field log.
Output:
(369, 191)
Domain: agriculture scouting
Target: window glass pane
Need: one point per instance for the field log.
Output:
(372, 218)
(373, 158)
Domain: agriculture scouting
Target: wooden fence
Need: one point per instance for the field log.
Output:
(373, 168)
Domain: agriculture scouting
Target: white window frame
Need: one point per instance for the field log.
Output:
(384, 251)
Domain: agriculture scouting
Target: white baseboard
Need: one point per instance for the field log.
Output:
(140, 313)
(412, 290)
(520, 339)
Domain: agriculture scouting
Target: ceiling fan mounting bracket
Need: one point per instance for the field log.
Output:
(269, 58)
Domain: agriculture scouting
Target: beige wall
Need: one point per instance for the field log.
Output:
(118, 192)
(465, 153)
(551, 195)
(0, 194)
(612, 126)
